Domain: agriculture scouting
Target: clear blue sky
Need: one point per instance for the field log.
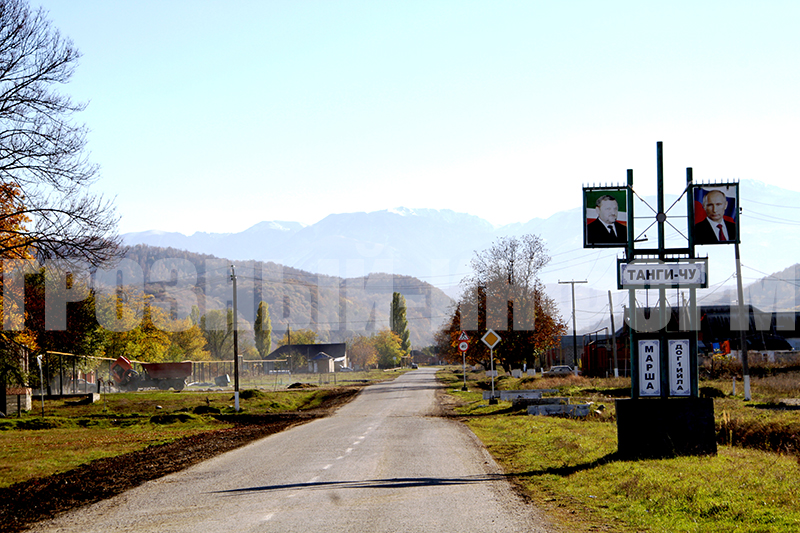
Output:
(212, 116)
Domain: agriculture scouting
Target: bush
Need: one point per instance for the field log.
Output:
(205, 409)
(711, 392)
(171, 418)
(248, 394)
(759, 434)
(759, 365)
(299, 385)
(37, 423)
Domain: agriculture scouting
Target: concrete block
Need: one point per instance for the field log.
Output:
(578, 410)
(509, 395)
(656, 427)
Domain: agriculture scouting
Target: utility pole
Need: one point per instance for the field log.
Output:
(574, 331)
(744, 325)
(613, 335)
(235, 343)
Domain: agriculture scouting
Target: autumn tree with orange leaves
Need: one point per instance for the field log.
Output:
(504, 293)
(13, 338)
(48, 214)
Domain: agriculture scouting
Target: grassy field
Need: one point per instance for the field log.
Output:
(71, 434)
(569, 466)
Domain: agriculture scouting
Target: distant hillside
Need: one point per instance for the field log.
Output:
(337, 308)
(436, 246)
(779, 291)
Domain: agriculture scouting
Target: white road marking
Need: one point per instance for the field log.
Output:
(269, 516)
(326, 467)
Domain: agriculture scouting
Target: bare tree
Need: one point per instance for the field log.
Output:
(42, 150)
(504, 293)
(509, 270)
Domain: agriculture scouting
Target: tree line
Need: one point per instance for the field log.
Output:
(126, 324)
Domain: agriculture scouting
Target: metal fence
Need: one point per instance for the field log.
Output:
(66, 374)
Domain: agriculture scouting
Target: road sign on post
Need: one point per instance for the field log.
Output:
(463, 346)
(491, 339)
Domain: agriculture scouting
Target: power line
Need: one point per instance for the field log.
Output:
(772, 205)
(769, 218)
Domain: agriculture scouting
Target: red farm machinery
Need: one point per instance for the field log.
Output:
(163, 376)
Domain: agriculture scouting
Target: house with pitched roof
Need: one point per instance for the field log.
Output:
(321, 358)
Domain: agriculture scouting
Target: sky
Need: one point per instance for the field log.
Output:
(212, 116)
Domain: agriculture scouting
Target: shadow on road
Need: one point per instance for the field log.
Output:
(569, 470)
(391, 483)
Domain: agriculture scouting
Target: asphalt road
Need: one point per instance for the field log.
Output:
(383, 462)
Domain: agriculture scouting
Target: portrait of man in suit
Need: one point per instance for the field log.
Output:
(605, 229)
(715, 228)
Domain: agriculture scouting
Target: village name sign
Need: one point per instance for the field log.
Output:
(664, 415)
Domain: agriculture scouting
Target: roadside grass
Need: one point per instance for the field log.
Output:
(570, 467)
(29, 454)
(70, 435)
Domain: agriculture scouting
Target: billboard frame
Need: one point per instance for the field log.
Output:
(594, 235)
(701, 233)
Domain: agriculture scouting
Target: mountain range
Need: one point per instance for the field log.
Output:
(436, 246)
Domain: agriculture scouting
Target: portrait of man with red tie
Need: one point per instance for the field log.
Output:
(603, 226)
(715, 223)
